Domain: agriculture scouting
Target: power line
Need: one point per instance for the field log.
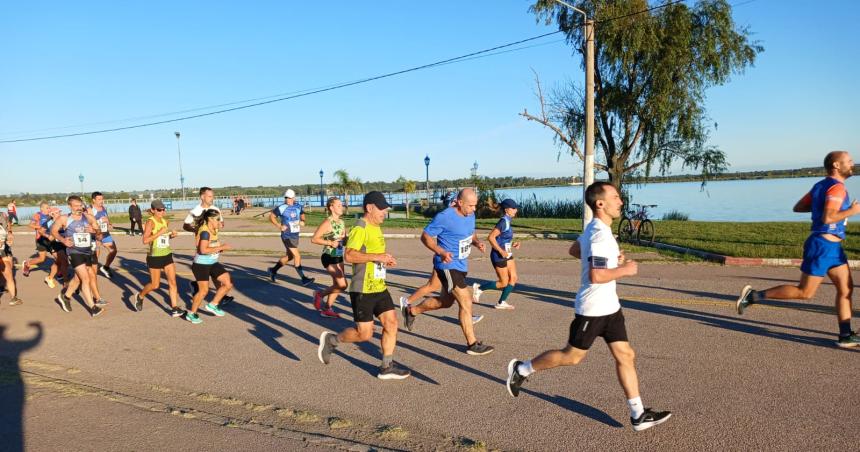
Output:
(479, 54)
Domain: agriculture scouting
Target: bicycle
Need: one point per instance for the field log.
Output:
(637, 226)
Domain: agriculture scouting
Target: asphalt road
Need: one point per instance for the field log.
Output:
(770, 380)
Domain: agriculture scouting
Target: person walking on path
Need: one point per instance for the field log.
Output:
(598, 310)
(12, 212)
(830, 206)
(135, 217)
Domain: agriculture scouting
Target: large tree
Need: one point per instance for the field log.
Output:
(345, 184)
(652, 67)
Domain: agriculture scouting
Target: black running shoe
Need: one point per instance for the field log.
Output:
(393, 372)
(64, 302)
(96, 310)
(478, 349)
(106, 272)
(138, 302)
(227, 299)
(177, 312)
(272, 273)
(515, 380)
(327, 346)
(306, 281)
(649, 419)
(408, 318)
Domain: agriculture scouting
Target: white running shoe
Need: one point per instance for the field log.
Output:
(476, 319)
(504, 305)
(476, 292)
(404, 302)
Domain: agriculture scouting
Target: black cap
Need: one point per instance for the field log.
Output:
(509, 204)
(377, 199)
(157, 204)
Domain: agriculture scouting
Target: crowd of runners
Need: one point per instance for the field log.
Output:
(70, 246)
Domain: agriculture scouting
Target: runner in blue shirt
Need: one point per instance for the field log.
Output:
(502, 242)
(289, 218)
(451, 236)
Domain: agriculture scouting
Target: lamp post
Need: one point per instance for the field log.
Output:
(181, 177)
(588, 170)
(427, 178)
(322, 190)
(81, 178)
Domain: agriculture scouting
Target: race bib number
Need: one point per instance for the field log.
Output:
(508, 250)
(103, 226)
(378, 270)
(465, 247)
(82, 240)
(294, 226)
(163, 241)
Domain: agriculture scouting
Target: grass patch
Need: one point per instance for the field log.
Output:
(335, 423)
(392, 432)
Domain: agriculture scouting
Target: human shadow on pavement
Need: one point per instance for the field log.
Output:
(732, 323)
(12, 391)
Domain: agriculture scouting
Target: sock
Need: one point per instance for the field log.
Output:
(488, 285)
(636, 408)
(525, 368)
(757, 295)
(386, 361)
(845, 329)
(506, 292)
(277, 267)
(300, 272)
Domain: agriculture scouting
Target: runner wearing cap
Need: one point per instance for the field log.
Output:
(7, 265)
(289, 218)
(157, 235)
(331, 234)
(75, 231)
(100, 213)
(598, 310)
(501, 240)
(365, 250)
(451, 236)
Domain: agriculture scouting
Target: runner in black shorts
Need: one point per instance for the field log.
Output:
(206, 265)
(7, 266)
(157, 235)
(598, 310)
(76, 232)
(331, 234)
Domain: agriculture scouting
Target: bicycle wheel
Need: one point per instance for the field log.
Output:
(646, 232)
(625, 230)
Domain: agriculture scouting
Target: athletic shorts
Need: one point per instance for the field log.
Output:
(451, 279)
(366, 306)
(203, 272)
(5, 251)
(820, 255)
(107, 240)
(43, 244)
(57, 246)
(328, 259)
(584, 330)
(290, 243)
(159, 262)
(81, 259)
(501, 263)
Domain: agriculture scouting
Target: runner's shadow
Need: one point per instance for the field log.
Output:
(577, 407)
(695, 293)
(12, 391)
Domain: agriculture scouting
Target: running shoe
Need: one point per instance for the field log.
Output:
(504, 305)
(478, 349)
(106, 272)
(848, 341)
(476, 319)
(326, 347)
(177, 312)
(404, 302)
(317, 300)
(50, 282)
(306, 281)
(476, 292)
(96, 310)
(408, 318)
(193, 318)
(214, 309)
(64, 302)
(393, 372)
(329, 313)
(649, 419)
(138, 302)
(272, 273)
(101, 303)
(15, 301)
(515, 380)
(25, 269)
(745, 299)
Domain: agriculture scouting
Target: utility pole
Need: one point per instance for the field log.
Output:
(181, 177)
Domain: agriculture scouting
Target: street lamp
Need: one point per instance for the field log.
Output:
(81, 178)
(427, 178)
(588, 170)
(475, 170)
(181, 177)
(322, 191)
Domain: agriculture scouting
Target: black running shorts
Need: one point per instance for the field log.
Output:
(366, 306)
(290, 243)
(203, 272)
(584, 330)
(328, 259)
(43, 244)
(81, 259)
(451, 279)
(159, 262)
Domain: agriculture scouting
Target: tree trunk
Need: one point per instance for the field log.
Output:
(407, 205)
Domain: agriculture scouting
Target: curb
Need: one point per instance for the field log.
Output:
(741, 261)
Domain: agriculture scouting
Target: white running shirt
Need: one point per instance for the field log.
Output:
(198, 210)
(600, 250)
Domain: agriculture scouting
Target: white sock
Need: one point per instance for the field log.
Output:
(636, 408)
(525, 368)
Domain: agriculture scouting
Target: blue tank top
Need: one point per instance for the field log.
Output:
(819, 200)
(103, 224)
(77, 231)
(504, 239)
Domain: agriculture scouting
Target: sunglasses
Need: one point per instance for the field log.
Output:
(159, 210)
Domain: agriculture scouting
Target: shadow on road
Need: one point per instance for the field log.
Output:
(12, 394)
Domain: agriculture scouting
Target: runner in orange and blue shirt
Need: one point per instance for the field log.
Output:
(830, 205)
(39, 224)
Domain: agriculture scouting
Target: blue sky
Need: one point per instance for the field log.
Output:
(72, 64)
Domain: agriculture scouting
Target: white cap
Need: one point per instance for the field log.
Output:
(290, 194)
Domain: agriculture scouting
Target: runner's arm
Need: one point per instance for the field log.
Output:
(432, 244)
(274, 219)
(804, 205)
(492, 239)
(575, 250)
(323, 229)
(147, 233)
(599, 274)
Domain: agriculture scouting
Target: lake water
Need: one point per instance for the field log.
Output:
(736, 200)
